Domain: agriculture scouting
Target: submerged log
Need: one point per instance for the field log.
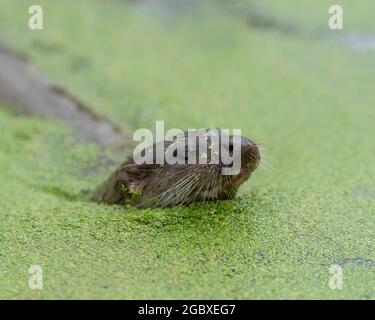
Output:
(28, 92)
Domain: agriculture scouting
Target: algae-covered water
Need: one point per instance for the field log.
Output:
(306, 97)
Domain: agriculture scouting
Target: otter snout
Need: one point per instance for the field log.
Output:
(250, 154)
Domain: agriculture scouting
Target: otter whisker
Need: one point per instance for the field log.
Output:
(195, 195)
(177, 190)
(181, 191)
(160, 195)
(188, 194)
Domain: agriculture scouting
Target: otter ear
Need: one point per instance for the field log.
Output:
(134, 176)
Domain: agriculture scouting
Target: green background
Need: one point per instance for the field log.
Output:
(304, 95)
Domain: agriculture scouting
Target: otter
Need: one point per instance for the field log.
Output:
(163, 185)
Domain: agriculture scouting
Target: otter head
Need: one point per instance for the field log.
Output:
(210, 165)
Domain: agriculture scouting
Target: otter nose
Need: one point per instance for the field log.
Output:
(249, 153)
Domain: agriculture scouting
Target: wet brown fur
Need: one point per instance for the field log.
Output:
(155, 185)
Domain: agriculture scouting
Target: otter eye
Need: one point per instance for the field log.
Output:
(231, 148)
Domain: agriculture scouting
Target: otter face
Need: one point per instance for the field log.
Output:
(183, 182)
